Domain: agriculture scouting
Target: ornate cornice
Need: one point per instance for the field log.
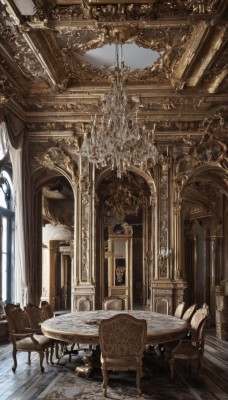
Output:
(46, 80)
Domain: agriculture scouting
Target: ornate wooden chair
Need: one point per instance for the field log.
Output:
(7, 308)
(36, 316)
(84, 304)
(179, 314)
(113, 303)
(122, 343)
(193, 349)
(49, 313)
(47, 309)
(180, 310)
(25, 339)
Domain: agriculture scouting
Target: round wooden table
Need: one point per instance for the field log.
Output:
(82, 327)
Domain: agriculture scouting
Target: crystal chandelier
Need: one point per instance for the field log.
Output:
(117, 139)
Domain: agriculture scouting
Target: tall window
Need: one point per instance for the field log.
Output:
(6, 237)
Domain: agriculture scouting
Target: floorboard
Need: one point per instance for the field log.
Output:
(28, 383)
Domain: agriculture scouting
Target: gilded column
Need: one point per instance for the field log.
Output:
(212, 276)
(84, 238)
(178, 272)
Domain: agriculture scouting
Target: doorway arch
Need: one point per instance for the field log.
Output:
(204, 200)
(125, 202)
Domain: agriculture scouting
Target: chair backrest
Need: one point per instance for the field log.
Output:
(47, 309)
(122, 336)
(179, 310)
(84, 304)
(7, 308)
(18, 320)
(198, 325)
(113, 303)
(189, 312)
(35, 315)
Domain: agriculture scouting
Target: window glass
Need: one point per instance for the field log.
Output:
(6, 237)
(6, 191)
(4, 258)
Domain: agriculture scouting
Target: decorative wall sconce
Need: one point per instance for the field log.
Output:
(164, 253)
(163, 258)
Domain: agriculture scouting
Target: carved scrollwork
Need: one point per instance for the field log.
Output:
(178, 274)
(209, 150)
(187, 163)
(44, 9)
(177, 206)
(162, 266)
(213, 124)
(201, 6)
(57, 157)
(19, 50)
(212, 151)
(120, 229)
(118, 12)
(85, 190)
(85, 241)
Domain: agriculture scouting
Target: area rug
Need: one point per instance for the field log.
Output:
(155, 385)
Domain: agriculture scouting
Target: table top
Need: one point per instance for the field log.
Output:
(82, 326)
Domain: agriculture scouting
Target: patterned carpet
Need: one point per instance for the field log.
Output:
(155, 384)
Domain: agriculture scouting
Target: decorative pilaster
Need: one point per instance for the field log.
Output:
(164, 251)
(168, 287)
(212, 276)
(178, 272)
(84, 281)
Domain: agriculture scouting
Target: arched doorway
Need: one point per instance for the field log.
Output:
(57, 239)
(204, 201)
(123, 217)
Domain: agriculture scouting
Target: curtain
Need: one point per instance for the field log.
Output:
(21, 287)
(28, 221)
(14, 129)
(4, 143)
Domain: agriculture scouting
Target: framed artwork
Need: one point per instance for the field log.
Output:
(120, 272)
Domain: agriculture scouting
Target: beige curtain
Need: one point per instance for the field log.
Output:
(21, 287)
(13, 127)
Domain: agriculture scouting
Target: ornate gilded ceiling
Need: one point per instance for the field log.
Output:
(45, 79)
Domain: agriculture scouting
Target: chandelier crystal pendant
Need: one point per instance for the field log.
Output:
(117, 139)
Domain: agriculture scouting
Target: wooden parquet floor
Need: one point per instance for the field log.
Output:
(28, 383)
